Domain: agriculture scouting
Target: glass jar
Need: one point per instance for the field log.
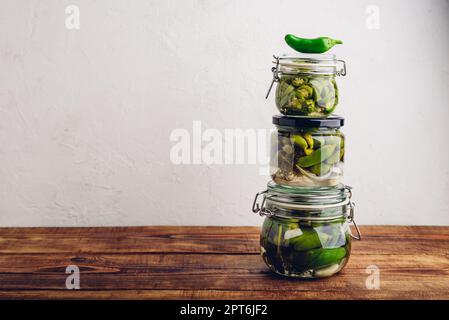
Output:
(306, 84)
(307, 152)
(306, 232)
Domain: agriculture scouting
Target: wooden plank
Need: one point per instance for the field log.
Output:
(168, 239)
(425, 274)
(153, 239)
(197, 263)
(211, 263)
(219, 295)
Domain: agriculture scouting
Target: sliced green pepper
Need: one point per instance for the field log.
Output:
(316, 156)
(305, 91)
(308, 151)
(298, 82)
(308, 137)
(308, 240)
(318, 142)
(299, 140)
(334, 158)
(321, 257)
(320, 169)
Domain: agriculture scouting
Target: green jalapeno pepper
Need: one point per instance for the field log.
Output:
(317, 45)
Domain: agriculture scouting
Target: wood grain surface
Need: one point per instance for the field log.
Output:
(211, 263)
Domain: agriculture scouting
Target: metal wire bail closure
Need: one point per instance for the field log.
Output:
(275, 71)
(260, 209)
(351, 215)
(342, 71)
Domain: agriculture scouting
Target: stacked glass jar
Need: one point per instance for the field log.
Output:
(307, 209)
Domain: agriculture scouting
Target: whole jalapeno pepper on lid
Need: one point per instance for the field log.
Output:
(317, 45)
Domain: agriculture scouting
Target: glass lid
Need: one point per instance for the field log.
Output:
(308, 197)
(325, 64)
(304, 203)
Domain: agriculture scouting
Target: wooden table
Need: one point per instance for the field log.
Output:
(211, 263)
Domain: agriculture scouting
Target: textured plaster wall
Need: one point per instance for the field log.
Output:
(86, 115)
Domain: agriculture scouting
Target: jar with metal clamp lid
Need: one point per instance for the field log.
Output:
(306, 84)
(306, 231)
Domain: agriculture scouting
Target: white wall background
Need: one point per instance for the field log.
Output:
(86, 115)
